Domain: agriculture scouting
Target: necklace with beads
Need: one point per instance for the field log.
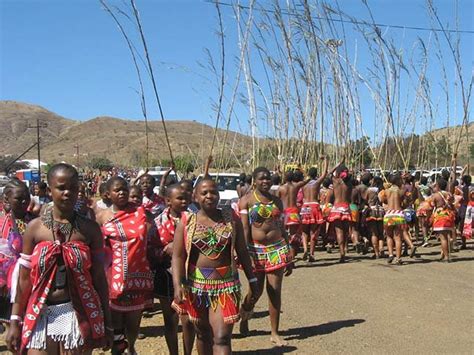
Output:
(64, 228)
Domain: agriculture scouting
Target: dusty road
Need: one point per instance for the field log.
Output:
(362, 307)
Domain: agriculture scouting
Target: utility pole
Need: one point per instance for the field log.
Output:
(38, 126)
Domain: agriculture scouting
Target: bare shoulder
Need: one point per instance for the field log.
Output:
(35, 224)
(102, 216)
(244, 200)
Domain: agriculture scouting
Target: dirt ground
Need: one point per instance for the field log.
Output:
(362, 307)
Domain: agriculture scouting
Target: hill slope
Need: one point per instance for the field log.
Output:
(122, 141)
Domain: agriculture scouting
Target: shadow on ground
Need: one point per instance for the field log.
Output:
(325, 263)
(455, 260)
(300, 334)
(269, 351)
(321, 329)
(152, 331)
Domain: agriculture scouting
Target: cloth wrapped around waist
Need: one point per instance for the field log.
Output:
(443, 219)
(311, 213)
(291, 216)
(208, 288)
(269, 257)
(394, 218)
(340, 212)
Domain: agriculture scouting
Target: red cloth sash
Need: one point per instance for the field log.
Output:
(165, 226)
(130, 270)
(84, 297)
(153, 205)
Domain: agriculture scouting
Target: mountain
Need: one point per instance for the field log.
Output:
(120, 140)
(452, 134)
(123, 141)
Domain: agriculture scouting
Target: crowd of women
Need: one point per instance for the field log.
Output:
(77, 274)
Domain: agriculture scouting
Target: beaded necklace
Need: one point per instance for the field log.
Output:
(211, 241)
(260, 211)
(64, 229)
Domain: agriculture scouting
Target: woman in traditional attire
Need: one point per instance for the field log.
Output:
(160, 251)
(261, 214)
(62, 297)
(205, 278)
(443, 217)
(12, 227)
(124, 227)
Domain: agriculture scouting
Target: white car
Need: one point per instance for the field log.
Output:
(424, 173)
(227, 184)
(157, 172)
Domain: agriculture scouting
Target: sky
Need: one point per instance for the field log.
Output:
(69, 57)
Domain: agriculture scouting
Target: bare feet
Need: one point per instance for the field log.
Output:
(278, 341)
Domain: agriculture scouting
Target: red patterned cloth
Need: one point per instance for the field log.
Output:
(292, 216)
(311, 213)
(155, 205)
(443, 219)
(129, 276)
(469, 221)
(85, 299)
(165, 225)
(340, 212)
(425, 209)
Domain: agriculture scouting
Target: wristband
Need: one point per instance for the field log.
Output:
(110, 329)
(253, 280)
(15, 317)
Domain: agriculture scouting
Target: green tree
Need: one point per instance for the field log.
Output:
(185, 164)
(439, 151)
(362, 153)
(101, 163)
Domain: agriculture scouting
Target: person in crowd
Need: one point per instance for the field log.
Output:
(62, 296)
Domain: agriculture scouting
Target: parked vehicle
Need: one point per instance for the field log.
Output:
(157, 172)
(417, 173)
(227, 184)
(30, 176)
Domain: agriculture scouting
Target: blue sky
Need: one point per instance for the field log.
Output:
(69, 57)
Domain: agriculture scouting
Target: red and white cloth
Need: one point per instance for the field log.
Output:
(468, 221)
(155, 205)
(85, 299)
(129, 276)
(340, 212)
(311, 213)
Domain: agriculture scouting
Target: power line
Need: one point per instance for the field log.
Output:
(401, 27)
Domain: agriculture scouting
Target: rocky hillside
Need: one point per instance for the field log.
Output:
(122, 141)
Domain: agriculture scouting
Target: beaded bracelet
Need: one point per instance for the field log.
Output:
(15, 317)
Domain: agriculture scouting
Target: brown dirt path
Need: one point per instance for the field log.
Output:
(362, 307)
